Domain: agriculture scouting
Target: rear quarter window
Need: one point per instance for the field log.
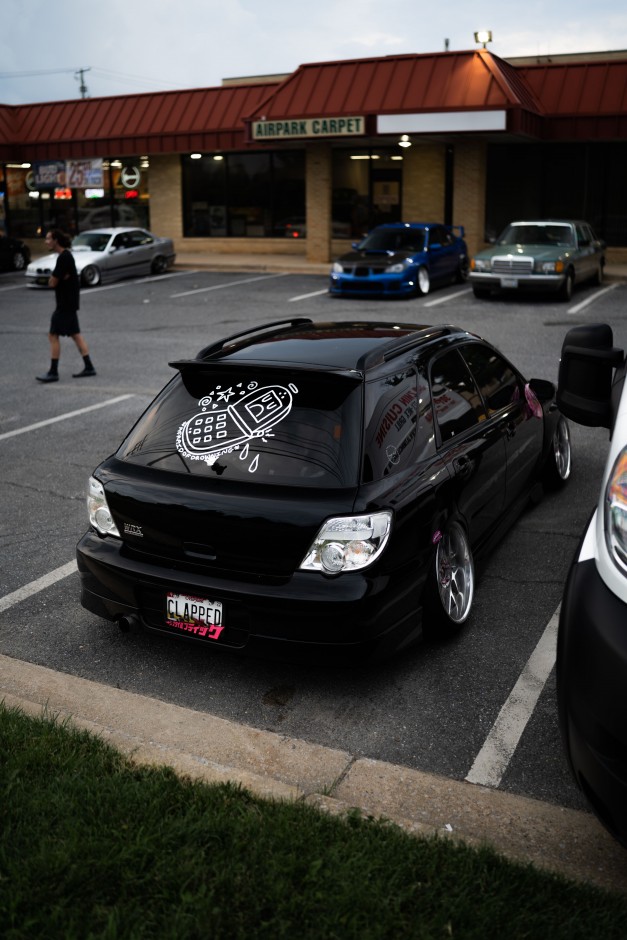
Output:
(398, 423)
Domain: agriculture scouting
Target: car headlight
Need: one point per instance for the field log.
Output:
(616, 512)
(552, 267)
(348, 543)
(399, 267)
(99, 514)
(337, 268)
(479, 264)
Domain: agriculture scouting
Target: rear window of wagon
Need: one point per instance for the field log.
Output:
(245, 423)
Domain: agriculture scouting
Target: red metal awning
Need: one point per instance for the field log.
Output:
(581, 100)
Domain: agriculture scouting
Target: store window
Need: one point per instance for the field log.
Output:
(592, 186)
(251, 195)
(40, 196)
(3, 224)
(123, 200)
(367, 189)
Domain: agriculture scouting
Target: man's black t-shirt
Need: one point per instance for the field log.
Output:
(67, 290)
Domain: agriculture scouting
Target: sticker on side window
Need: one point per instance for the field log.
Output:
(233, 417)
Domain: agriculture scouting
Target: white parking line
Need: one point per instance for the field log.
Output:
(315, 293)
(247, 280)
(64, 417)
(591, 299)
(12, 287)
(492, 760)
(136, 280)
(442, 300)
(23, 593)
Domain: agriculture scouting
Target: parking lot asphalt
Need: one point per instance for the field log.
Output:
(275, 766)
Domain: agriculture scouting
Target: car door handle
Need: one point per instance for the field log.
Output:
(464, 466)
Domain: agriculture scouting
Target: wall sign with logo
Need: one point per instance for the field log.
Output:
(84, 174)
(47, 174)
(309, 127)
(130, 177)
(75, 174)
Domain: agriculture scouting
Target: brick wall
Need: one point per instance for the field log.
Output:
(318, 201)
(166, 205)
(469, 191)
(423, 183)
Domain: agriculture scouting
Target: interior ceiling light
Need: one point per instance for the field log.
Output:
(484, 36)
(196, 156)
(404, 141)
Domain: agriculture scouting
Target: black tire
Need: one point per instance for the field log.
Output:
(423, 281)
(91, 276)
(566, 290)
(598, 277)
(462, 271)
(558, 466)
(450, 591)
(159, 264)
(18, 260)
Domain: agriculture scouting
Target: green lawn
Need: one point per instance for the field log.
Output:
(92, 845)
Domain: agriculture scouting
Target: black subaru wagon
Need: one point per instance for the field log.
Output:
(318, 485)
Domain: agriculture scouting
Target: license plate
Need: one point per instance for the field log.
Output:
(195, 615)
(509, 282)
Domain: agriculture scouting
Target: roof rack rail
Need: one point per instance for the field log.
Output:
(216, 347)
(396, 346)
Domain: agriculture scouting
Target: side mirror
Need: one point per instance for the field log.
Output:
(584, 385)
(542, 389)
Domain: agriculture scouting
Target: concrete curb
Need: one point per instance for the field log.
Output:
(273, 766)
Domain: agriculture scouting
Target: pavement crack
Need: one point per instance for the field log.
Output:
(341, 777)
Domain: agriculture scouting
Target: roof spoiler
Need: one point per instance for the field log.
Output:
(273, 327)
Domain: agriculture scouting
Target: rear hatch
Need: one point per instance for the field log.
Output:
(234, 468)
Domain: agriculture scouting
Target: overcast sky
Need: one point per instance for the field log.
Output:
(156, 45)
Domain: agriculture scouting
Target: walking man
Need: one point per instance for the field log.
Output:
(64, 321)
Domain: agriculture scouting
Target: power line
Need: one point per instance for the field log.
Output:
(107, 73)
(39, 72)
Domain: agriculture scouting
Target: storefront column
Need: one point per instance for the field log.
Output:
(423, 183)
(166, 199)
(469, 191)
(318, 202)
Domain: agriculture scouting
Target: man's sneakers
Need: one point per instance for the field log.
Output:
(84, 374)
(48, 377)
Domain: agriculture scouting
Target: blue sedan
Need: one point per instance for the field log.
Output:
(401, 259)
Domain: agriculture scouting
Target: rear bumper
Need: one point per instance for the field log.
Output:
(592, 692)
(354, 614)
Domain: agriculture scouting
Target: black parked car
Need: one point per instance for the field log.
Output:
(14, 254)
(325, 485)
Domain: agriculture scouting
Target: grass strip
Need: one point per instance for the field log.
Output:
(93, 846)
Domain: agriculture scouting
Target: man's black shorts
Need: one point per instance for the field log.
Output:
(64, 324)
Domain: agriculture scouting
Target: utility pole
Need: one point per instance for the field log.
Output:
(82, 86)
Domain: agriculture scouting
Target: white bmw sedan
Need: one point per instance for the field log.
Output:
(109, 254)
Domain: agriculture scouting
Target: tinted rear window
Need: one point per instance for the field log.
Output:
(287, 427)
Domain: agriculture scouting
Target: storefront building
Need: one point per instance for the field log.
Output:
(307, 162)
